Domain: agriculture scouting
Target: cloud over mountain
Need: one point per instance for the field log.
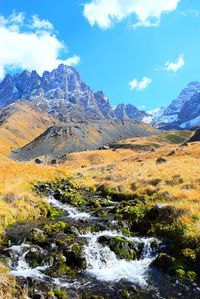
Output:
(30, 44)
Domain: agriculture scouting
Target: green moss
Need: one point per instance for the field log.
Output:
(125, 294)
(189, 253)
(180, 273)
(191, 275)
(60, 294)
(126, 232)
(54, 213)
(55, 227)
(95, 204)
(65, 270)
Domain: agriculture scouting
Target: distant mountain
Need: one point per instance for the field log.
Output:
(153, 116)
(62, 94)
(129, 111)
(184, 111)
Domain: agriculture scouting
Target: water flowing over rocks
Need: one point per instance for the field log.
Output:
(83, 250)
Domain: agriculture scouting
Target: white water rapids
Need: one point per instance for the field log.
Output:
(102, 263)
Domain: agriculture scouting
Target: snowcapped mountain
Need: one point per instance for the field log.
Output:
(129, 111)
(154, 115)
(182, 110)
(62, 94)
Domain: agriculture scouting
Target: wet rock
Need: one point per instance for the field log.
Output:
(122, 247)
(76, 257)
(58, 194)
(36, 257)
(38, 296)
(129, 293)
(163, 262)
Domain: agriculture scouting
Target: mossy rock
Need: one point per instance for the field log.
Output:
(95, 204)
(189, 253)
(180, 273)
(191, 275)
(123, 248)
(163, 262)
(37, 258)
(54, 228)
(75, 257)
(60, 294)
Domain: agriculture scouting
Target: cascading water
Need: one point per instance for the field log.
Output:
(73, 212)
(19, 266)
(104, 265)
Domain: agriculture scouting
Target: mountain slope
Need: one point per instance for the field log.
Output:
(62, 94)
(181, 109)
(20, 123)
(60, 140)
(129, 111)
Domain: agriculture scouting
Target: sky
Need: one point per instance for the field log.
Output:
(141, 52)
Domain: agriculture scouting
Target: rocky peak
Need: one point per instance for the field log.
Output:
(129, 111)
(63, 94)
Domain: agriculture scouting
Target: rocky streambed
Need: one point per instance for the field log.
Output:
(88, 248)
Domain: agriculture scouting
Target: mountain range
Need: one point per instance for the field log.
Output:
(63, 95)
(57, 113)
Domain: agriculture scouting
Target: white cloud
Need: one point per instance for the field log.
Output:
(175, 66)
(190, 12)
(30, 44)
(41, 24)
(140, 85)
(105, 13)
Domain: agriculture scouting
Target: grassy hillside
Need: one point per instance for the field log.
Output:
(135, 172)
(129, 169)
(20, 123)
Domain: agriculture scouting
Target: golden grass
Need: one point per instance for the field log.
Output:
(30, 124)
(124, 170)
(18, 202)
(130, 172)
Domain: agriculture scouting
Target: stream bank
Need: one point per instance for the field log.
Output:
(95, 246)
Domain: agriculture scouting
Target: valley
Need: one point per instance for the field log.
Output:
(94, 202)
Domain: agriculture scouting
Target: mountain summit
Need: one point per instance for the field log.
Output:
(62, 94)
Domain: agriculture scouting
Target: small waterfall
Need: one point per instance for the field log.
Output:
(104, 264)
(73, 212)
(19, 266)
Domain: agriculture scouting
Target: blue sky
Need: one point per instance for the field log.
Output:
(142, 55)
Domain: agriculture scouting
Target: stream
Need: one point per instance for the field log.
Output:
(105, 274)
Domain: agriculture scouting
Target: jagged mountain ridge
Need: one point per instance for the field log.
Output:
(62, 94)
(183, 111)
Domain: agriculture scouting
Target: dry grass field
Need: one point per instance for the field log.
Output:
(174, 182)
(128, 168)
(30, 124)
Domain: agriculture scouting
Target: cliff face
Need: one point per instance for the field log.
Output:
(62, 94)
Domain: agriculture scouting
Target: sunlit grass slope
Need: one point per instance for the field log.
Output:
(20, 123)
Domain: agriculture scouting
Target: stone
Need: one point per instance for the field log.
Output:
(38, 161)
(161, 160)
